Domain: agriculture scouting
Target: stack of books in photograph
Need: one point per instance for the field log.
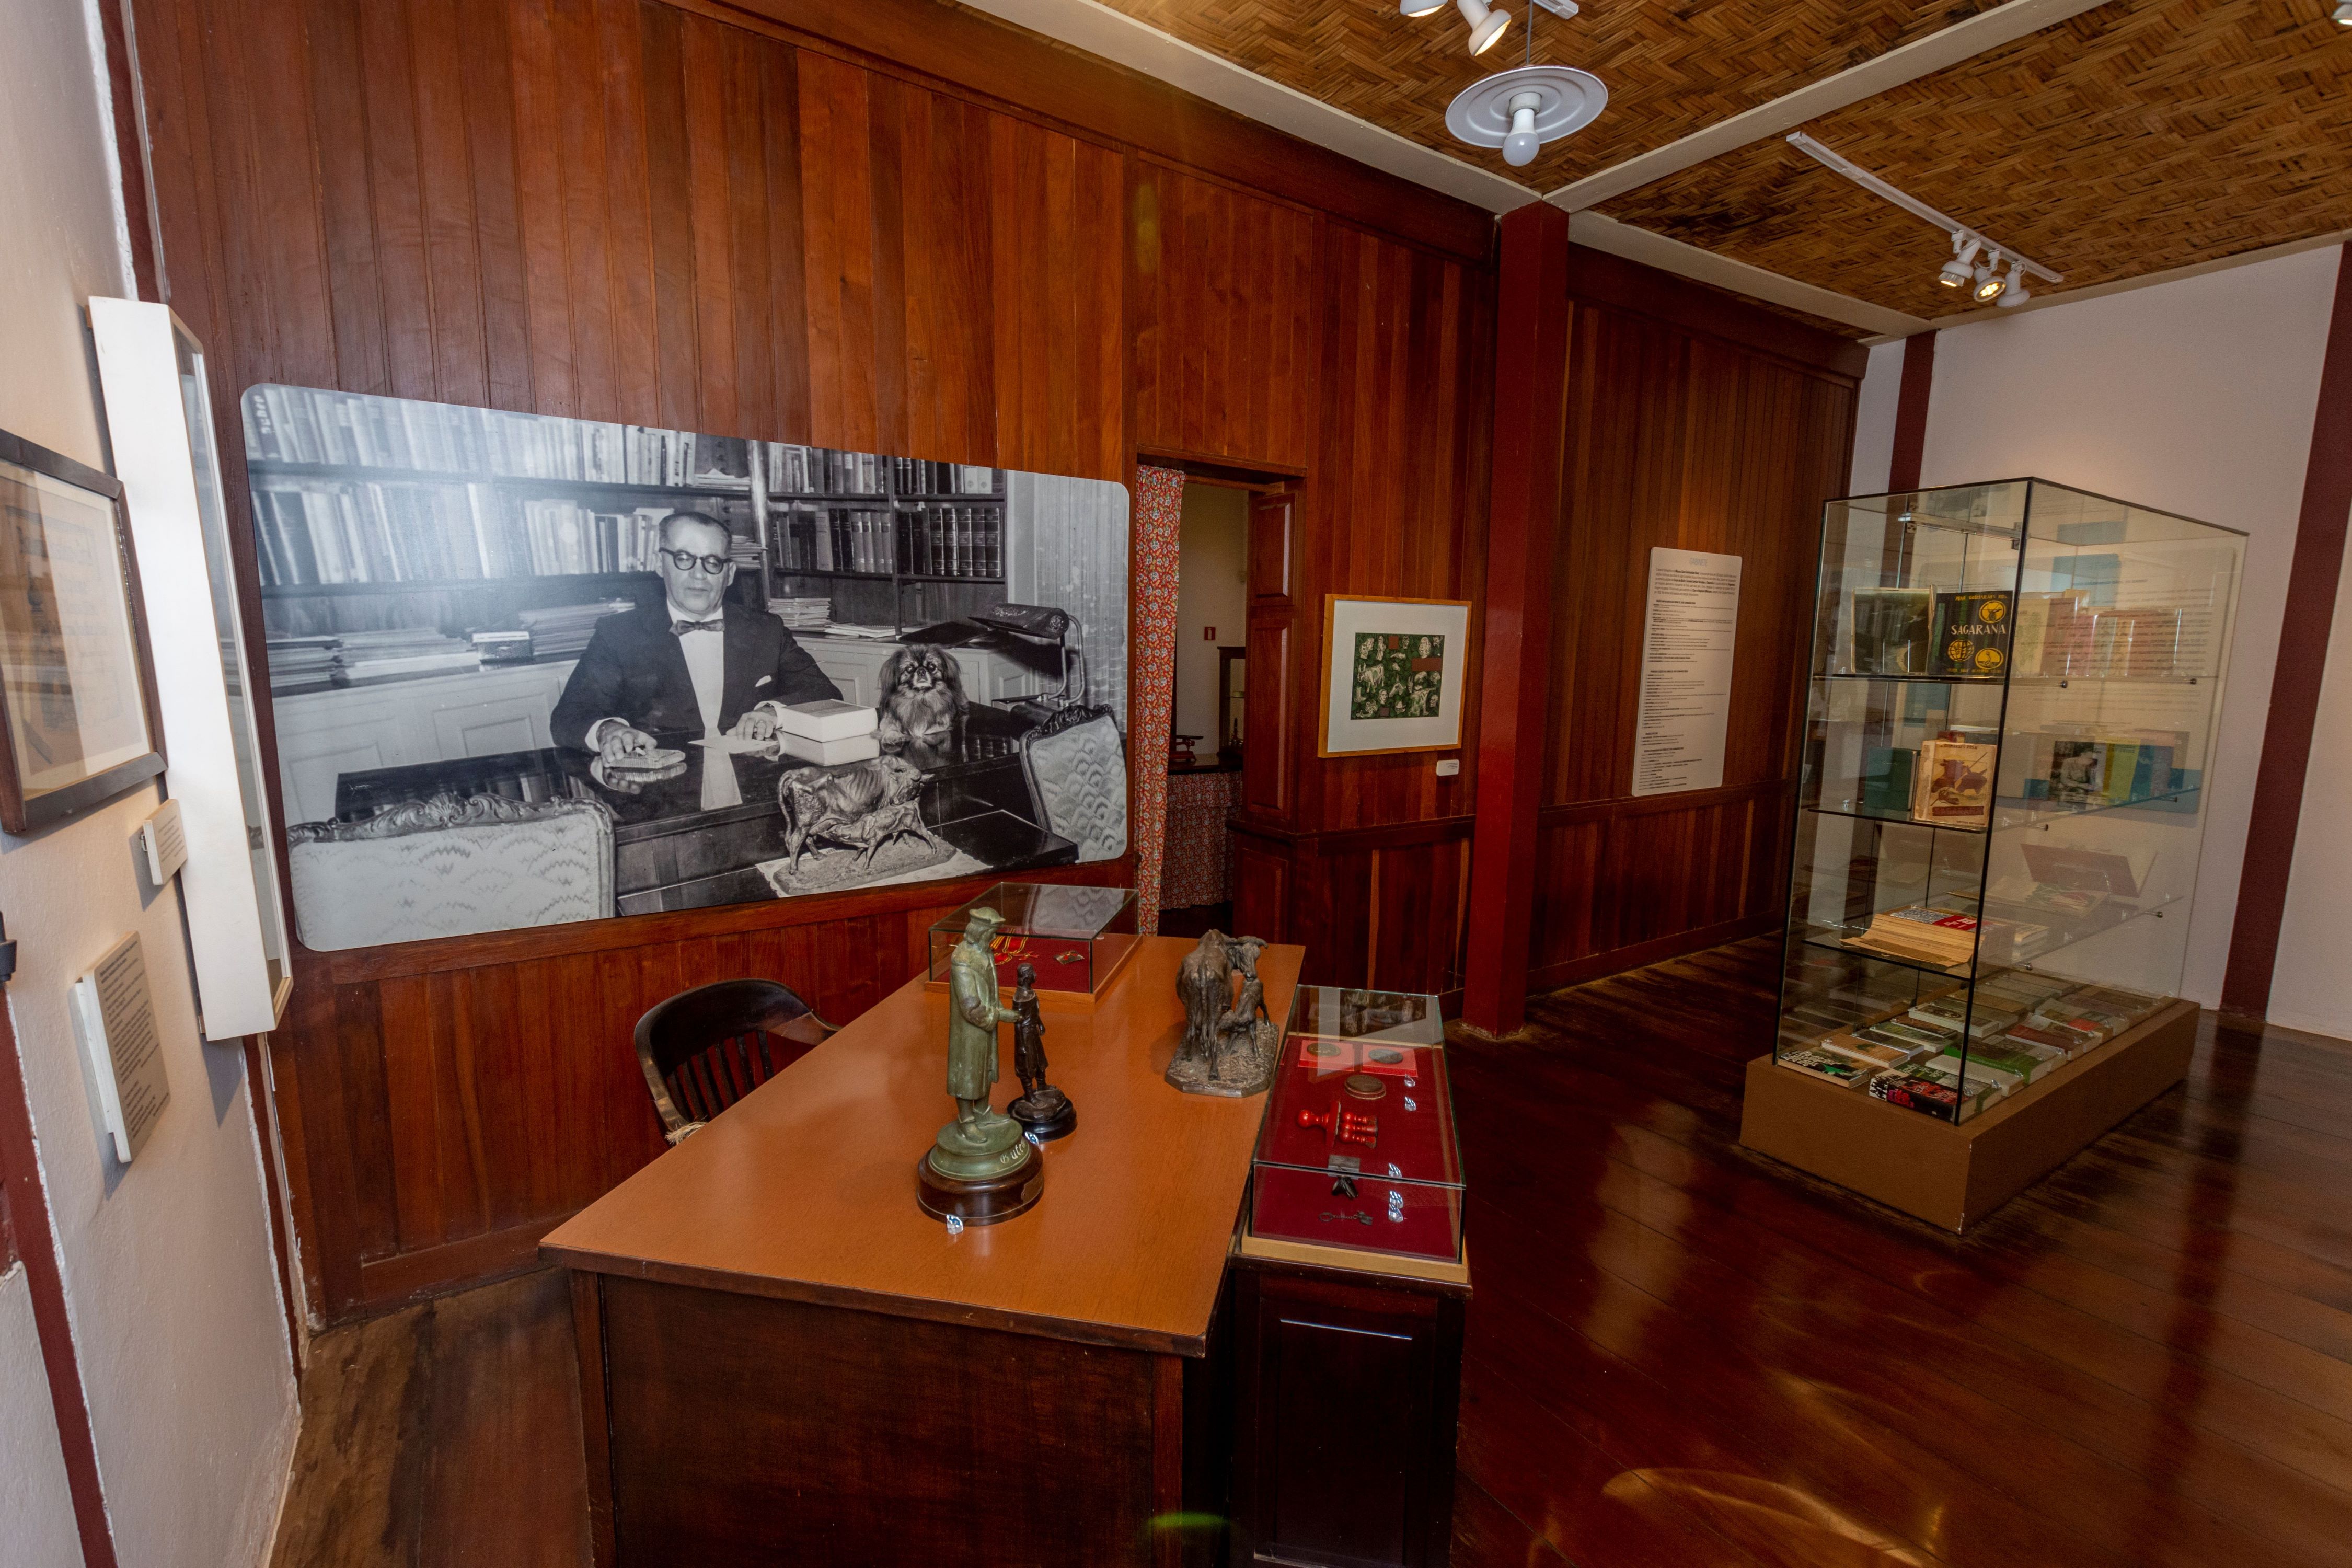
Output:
(561, 631)
(2019, 1029)
(306, 424)
(300, 661)
(802, 614)
(353, 656)
(829, 734)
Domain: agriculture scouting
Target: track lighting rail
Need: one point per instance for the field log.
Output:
(1963, 237)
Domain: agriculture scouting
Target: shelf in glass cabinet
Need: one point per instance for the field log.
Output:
(2070, 680)
(1826, 939)
(2023, 814)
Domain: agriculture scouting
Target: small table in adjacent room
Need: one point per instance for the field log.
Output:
(784, 1360)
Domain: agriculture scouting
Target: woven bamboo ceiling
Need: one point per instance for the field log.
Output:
(2134, 137)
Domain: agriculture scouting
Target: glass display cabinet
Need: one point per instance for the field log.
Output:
(1358, 1149)
(2010, 724)
(1077, 939)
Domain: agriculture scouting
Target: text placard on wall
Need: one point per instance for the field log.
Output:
(1686, 655)
(114, 1014)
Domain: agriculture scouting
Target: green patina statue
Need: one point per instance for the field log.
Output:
(981, 1141)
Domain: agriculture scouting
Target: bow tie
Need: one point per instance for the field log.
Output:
(679, 628)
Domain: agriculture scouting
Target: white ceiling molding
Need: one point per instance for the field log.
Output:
(1604, 232)
(1922, 57)
(1119, 38)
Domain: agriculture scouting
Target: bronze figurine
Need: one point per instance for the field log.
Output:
(1043, 1109)
(1230, 1043)
(980, 1169)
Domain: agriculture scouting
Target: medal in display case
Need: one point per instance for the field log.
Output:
(2010, 729)
(1349, 1291)
(1077, 938)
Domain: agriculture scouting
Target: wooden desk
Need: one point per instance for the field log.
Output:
(784, 1360)
(668, 853)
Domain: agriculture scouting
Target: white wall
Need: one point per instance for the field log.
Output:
(1873, 421)
(37, 1517)
(2195, 398)
(1211, 590)
(170, 1283)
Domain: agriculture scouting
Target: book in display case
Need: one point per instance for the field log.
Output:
(2009, 738)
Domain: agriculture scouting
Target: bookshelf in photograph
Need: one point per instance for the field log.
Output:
(379, 494)
(906, 541)
(1999, 816)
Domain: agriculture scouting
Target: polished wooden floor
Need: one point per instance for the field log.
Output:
(1679, 1353)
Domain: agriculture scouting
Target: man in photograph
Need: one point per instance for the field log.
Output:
(692, 664)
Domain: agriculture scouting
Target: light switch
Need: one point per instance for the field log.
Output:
(1449, 767)
(1208, 634)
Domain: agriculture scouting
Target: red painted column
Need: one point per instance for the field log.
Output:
(1523, 531)
(2304, 630)
(1911, 411)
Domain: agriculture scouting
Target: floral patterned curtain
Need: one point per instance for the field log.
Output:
(1158, 516)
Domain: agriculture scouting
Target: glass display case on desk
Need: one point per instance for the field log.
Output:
(1077, 939)
(1358, 1152)
(2009, 726)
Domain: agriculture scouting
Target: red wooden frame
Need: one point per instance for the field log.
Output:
(26, 1205)
(2303, 629)
(1515, 688)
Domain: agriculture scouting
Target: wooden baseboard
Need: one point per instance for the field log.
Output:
(433, 1270)
(1617, 960)
(1954, 1176)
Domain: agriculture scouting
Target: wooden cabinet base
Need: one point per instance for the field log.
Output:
(1954, 1176)
(728, 1429)
(1347, 1390)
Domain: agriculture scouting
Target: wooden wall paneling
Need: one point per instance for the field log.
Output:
(1691, 428)
(1224, 319)
(1006, 65)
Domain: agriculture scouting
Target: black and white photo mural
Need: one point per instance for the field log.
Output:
(527, 669)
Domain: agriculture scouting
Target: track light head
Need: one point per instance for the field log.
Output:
(2017, 293)
(1956, 273)
(1486, 27)
(2344, 13)
(1990, 284)
(1419, 8)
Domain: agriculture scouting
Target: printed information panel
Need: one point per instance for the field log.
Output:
(1687, 648)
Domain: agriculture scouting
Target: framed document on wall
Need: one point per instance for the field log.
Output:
(1392, 674)
(77, 720)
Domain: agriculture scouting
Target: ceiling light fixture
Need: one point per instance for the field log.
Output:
(1419, 8)
(1487, 25)
(1984, 281)
(2344, 13)
(1520, 110)
(1990, 282)
(1957, 273)
(2017, 293)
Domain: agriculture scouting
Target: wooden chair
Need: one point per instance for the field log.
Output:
(704, 1049)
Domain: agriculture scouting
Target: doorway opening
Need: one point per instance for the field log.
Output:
(1211, 677)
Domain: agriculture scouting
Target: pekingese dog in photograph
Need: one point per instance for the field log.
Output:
(922, 697)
